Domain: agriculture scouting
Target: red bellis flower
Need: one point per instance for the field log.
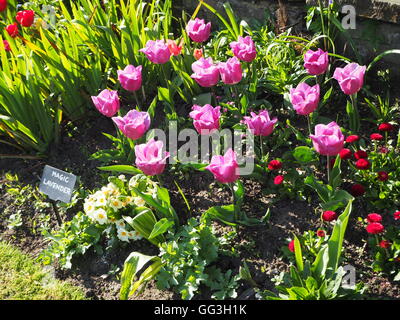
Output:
(375, 228)
(360, 154)
(345, 154)
(396, 215)
(374, 217)
(376, 136)
(329, 216)
(385, 127)
(362, 164)
(278, 180)
(274, 165)
(352, 138)
(357, 190)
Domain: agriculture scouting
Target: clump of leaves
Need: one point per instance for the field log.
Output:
(187, 258)
(185, 264)
(74, 237)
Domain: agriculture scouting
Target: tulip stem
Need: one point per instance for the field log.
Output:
(321, 11)
(261, 148)
(355, 115)
(137, 100)
(309, 124)
(144, 94)
(328, 168)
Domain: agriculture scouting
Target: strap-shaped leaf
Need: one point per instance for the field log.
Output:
(133, 264)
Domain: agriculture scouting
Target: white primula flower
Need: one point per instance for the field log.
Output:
(116, 204)
(134, 235)
(123, 235)
(89, 207)
(100, 216)
(120, 223)
(122, 178)
(139, 202)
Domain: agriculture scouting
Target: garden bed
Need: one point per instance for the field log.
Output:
(184, 230)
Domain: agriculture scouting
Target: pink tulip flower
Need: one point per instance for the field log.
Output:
(244, 49)
(230, 71)
(107, 102)
(305, 99)
(328, 139)
(224, 168)
(316, 62)
(157, 51)
(261, 124)
(130, 78)
(150, 157)
(206, 73)
(134, 125)
(206, 119)
(198, 30)
(350, 78)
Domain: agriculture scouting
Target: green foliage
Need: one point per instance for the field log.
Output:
(184, 264)
(320, 279)
(74, 238)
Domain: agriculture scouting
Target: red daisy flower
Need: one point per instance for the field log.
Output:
(329, 216)
(376, 136)
(278, 180)
(375, 228)
(345, 154)
(374, 217)
(360, 154)
(396, 215)
(362, 164)
(352, 138)
(274, 165)
(357, 190)
(385, 127)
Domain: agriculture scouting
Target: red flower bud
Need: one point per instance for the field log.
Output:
(383, 176)
(383, 150)
(396, 215)
(12, 30)
(291, 245)
(357, 190)
(384, 244)
(321, 233)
